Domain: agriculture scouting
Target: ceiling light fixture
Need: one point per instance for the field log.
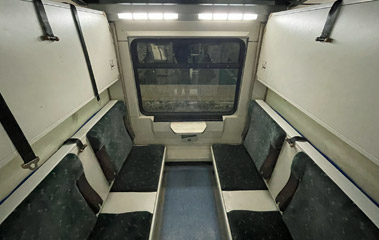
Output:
(235, 16)
(170, 16)
(127, 16)
(155, 16)
(220, 16)
(140, 16)
(250, 16)
(205, 16)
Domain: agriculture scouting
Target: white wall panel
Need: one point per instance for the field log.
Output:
(336, 83)
(7, 149)
(100, 44)
(45, 82)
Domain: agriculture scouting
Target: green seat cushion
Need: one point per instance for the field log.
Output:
(264, 135)
(235, 168)
(55, 209)
(257, 225)
(125, 226)
(319, 209)
(141, 171)
(110, 131)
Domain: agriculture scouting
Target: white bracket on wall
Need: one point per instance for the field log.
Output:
(188, 127)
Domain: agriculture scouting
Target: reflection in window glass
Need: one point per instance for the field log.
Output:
(191, 77)
(186, 51)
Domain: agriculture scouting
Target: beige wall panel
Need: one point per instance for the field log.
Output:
(101, 48)
(11, 174)
(45, 82)
(363, 171)
(336, 84)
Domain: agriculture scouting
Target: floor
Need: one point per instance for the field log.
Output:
(189, 210)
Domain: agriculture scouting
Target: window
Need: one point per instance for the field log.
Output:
(188, 79)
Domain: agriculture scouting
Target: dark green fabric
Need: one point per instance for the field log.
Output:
(320, 210)
(125, 226)
(246, 225)
(299, 163)
(297, 170)
(110, 131)
(247, 124)
(235, 168)
(141, 171)
(55, 209)
(263, 133)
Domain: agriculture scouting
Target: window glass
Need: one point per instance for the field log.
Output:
(179, 78)
(188, 51)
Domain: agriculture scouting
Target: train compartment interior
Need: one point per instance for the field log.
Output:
(210, 119)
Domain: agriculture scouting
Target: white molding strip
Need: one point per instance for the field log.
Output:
(254, 200)
(157, 198)
(125, 202)
(225, 216)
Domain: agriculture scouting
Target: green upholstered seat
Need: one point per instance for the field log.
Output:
(55, 209)
(319, 209)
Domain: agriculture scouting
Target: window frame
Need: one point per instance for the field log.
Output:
(188, 116)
